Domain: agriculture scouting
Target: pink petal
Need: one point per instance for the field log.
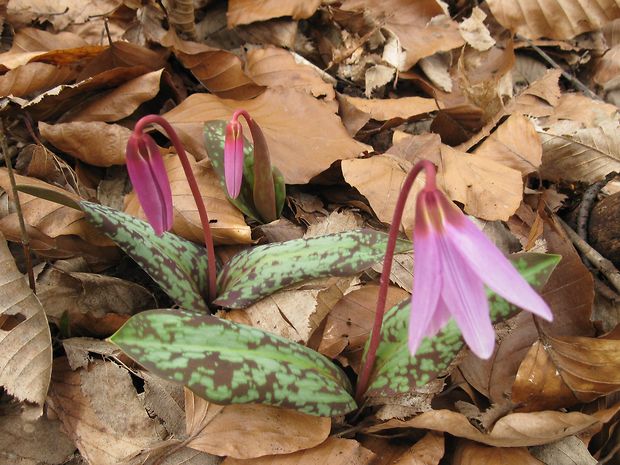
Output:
(464, 295)
(147, 188)
(427, 284)
(233, 158)
(161, 180)
(440, 318)
(493, 268)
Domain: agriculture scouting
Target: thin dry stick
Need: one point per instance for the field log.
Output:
(18, 208)
(601, 263)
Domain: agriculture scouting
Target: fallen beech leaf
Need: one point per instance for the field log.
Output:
(94, 142)
(246, 431)
(79, 349)
(25, 340)
(248, 11)
(457, 124)
(32, 442)
(419, 25)
(218, 70)
(487, 189)
(534, 19)
(106, 420)
(568, 451)
(335, 222)
(172, 452)
(513, 430)
(427, 451)
(437, 70)
(228, 225)
(294, 314)
(122, 101)
(586, 155)
(475, 32)
(31, 77)
(334, 451)
(471, 453)
(578, 107)
(514, 144)
(304, 135)
(166, 400)
(387, 109)
(276, 67)
(402, 271)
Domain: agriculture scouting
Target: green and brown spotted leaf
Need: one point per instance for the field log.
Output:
(230, 363)
(179, 266)
(215, 134)
(260, 271)
(396, 371)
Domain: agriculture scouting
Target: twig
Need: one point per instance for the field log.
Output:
(576, 82)
(601, 263)
(18, 207)
(585, 207)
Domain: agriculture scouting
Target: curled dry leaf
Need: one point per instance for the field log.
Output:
(94, 142)
(228, 225)
(471, 453)
(334, 451)
(294, 314)
(25, 340)
(514, 144)
(122, 101)
(250, 430)
(31, 77)
(248, 11)
(513, 430)
(475, 32)
(586, 155)
(427, 451)
(534, 19)
(420, 25)
(218, 70)
(387, 109)
(106, 420)
(304, 135)
(276, 67)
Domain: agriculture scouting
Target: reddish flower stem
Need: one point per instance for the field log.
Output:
(193, 185)
(375, 336)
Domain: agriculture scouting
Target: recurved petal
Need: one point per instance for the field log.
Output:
(162, 183)
(427, 283)
(493, 268)
(233, 158)
(464, 295)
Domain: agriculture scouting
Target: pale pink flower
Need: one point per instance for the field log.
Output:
(233, 157)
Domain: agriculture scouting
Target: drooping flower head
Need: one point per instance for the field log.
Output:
(145, 166)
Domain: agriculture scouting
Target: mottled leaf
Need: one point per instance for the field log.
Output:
(230, 363)
(176, 264)
(215, 132)
(396, 370)
(260, 271)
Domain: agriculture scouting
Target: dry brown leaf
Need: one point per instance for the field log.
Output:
(420, 25)
(427, 451)
(471, 453)
(122, 101)
(276, 67)
(515, 144)
(475, 32)
(79, 349)
(513, 430)
(556, 19)
(172, 452)
(294, 314)
(335, 222)
(31, 77)
(568, 451)
(248, 11)
(166, 400)
(437, 70)
(107, 420)
(304, 135)
(402, 271)
(349, 323)
(281, 32)
(585, 155)
(578, 107)
(246, 431)
(334, 451)
(55, 230)
(24, 441)
(94, 304)
(228, 225)
(218, 70)
(94, 142)
(25, 340)
(487, 189)
(61, 13)
(387, 109)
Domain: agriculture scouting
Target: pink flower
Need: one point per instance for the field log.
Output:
(454, 260)
(233, 157)
(150, 180)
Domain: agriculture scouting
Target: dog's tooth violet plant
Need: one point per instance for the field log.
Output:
(453, 262)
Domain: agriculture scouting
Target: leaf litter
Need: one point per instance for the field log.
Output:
(514, 103)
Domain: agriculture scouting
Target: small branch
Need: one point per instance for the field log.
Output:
(605, 266)
(585, 207)
(18, 207)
